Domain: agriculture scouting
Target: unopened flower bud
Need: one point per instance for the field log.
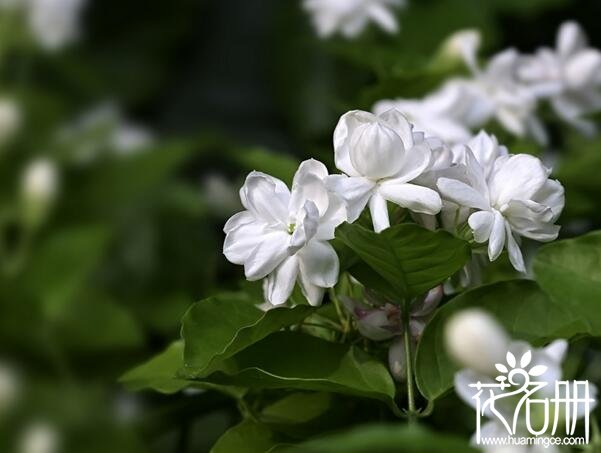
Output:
(397, 360)
(476, 341)
(39, 188)
(10, 119)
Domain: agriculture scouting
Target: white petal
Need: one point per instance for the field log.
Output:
(334, 216)
(319, 264)
(583, 69)
(383, 17)
(237, 220)
(399, 124)
(570, 38)
(241, 241)
(416, 198)
(376, 150)
(496, 241)
(342, 135)
(280, 282)
(556, 350)
(267, 255)
(305, 227)
(515, 254)
(266, 197)
(309, 183)
(313, 293)
(415, 161)
(481, 223)
(355, 191)
(460, 193)
(379, 212)
(518, 178)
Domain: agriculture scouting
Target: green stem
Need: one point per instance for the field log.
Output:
(412, 410)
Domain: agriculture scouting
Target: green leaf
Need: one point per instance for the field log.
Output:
(218, 327)
(248, 436)
(570, 272)
(524, 310)
(159, 373)
(383, 438)
(293, 360)
(63, 264)
(411, 259)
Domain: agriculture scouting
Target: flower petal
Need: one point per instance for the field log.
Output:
(313, 293)
(355, 191)
(266, 197)
(517, 178)
(570, 38)
(319, 264)
(416, 198)
(460, 193)
(267, 255)
(241, 241)
(379, 212)
(481, 223)
(342, 134)
(309, 184)
(515, 254)
(496, 242)
(280, 283)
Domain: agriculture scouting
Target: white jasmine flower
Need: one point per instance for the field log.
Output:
(283, 234)
(350, 17)
(501, 96)
(380, 156)
(462, 45)
(10, 119)
(475, 340)
(514, 197)
(569, 76)
(54, 23)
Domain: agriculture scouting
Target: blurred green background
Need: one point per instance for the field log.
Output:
(149, 123)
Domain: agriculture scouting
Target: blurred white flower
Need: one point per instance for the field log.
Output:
(438, 114)
(103, 129)
(39, 437)
(10, 119)
(39, 187)
(569, 76)
(9, 387)
(283, 234)
(350, 17)
(512, 197)
(475, 340)
(461, 45)
(380, 156)
(221, 195)
(481, 347)
(55, 23)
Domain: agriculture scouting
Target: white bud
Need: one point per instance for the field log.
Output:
(39, 187)
(9, 387)
(476, 341)
(10, 119)
(397, 360)
(462, 45)
(39, 438)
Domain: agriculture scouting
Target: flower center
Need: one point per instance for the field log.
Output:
(291, 228)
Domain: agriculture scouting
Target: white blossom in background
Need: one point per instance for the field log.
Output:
(381, 156)
(54, 23)
(10, 119)
(10, 387)
(511, 197)
(282, 235)
(39, 188)
(39, 437)
(104, 129)
(569, 76)
(350, 17)
(478, 343)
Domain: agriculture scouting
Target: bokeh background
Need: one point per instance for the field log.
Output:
(121, 155)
